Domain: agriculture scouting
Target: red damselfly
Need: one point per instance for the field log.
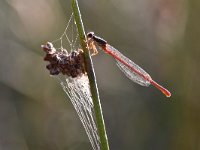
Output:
(128, 67)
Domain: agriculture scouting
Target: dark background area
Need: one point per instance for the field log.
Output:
(162, 36)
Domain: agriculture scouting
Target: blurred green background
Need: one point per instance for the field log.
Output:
(162, 36)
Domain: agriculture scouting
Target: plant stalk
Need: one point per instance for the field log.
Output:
(92, 78)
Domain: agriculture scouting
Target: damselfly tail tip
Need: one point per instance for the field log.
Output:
(162, 89)
(166, 92)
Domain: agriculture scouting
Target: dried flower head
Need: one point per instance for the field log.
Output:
(70, 64)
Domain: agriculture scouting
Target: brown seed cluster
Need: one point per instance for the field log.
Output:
(71, 64)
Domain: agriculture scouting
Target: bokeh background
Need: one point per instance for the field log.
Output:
(162, 36)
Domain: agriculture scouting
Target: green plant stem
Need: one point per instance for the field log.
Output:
(92, 78)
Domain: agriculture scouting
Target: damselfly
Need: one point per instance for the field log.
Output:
(128, 67)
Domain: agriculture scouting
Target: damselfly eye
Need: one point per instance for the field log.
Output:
(90, 34)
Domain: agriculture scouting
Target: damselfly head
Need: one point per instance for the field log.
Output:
(90, 35)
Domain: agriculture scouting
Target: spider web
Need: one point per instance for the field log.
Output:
(78, 89)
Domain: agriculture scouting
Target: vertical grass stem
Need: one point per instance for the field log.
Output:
(92, 78)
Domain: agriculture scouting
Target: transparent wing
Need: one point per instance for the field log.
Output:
(132, 75)
(129, 68)
(79, 93)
